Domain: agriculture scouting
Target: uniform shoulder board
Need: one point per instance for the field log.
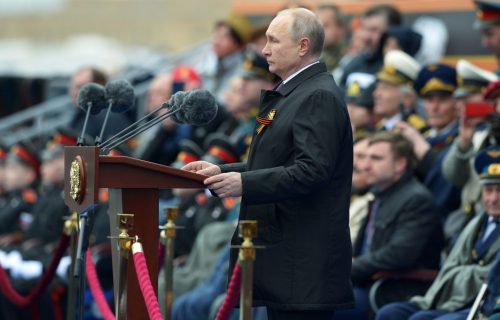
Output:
(416, 122)
(229, 203)
(201, 199)
(29, 196)
(103, 195)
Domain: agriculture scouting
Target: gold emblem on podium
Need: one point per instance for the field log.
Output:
(77, 180)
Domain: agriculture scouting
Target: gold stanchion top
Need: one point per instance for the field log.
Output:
(125, 224)
(169, 229)
(125, 221)
(71, 223)
(171, 213)
(248, 229)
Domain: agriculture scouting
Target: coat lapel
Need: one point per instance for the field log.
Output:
(269, 99)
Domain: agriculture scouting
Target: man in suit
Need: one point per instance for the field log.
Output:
(374, 22)
(401, 231)
(297, 180)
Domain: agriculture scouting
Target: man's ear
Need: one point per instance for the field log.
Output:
(305, 46)
(401, 165)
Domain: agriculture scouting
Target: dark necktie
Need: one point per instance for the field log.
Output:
(370, 226)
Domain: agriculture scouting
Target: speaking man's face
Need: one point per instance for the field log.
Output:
(281, 51)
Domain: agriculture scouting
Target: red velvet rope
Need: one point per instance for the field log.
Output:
(96, 289)
(232, 295)
(23, 301)
(148, 293)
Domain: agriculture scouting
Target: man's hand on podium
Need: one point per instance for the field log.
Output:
(202, 167)
(223, 184)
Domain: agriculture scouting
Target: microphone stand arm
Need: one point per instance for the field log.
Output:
(84, 128)
(118, 134)
(113, 144)
(105, 122)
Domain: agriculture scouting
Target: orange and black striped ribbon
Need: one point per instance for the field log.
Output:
(264, 122)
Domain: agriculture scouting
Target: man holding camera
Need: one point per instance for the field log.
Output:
(435, 84)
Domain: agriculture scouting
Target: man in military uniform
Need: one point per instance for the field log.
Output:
(470, 260)
(255, 77)
(196, 208)
(488, 21)
(359, 100)
(21, 176)
(3, 156)
(394, 96)
(436, 84)
(472, 81)
(50, 209)
(492, 93)
(222, 63)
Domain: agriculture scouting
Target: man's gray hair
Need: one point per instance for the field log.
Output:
(306, 24)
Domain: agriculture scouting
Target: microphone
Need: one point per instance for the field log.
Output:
(91, 99)
(120, 97)
(196, 107)
(120, 94)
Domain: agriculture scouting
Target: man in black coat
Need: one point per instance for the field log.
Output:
(297, 180)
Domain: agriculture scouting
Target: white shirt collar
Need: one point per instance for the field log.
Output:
(391, 122)
(296, 73)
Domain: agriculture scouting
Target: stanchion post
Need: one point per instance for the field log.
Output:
(247, 231)
(71, 229)
(125, 224)
(168, 234)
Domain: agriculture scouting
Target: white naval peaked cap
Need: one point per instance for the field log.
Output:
(467, 70)
(399, 67)
(472, 79)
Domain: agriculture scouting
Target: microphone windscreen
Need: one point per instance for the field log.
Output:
(200, 107)
(121, 94)
(94, 94)
(177, 101)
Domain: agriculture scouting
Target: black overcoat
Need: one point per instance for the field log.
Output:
(297, 185)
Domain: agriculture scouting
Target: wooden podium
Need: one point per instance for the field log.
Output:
(133, 189)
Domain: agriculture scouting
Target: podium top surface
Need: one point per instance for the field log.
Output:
(86, 171)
